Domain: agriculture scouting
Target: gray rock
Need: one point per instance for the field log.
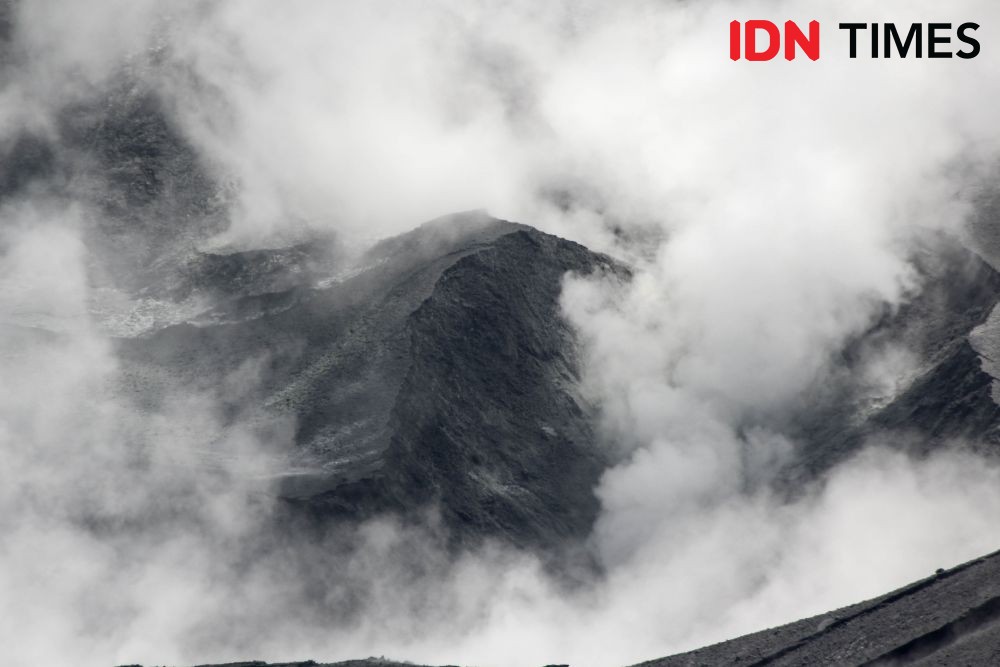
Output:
(440, 372)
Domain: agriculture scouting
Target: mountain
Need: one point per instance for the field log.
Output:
(435, 370)
(945, 401)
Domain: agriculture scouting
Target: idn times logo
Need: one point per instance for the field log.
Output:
(759, 40)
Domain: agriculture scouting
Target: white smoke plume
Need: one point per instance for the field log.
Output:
(769, 211)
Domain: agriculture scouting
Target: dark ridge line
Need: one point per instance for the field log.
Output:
(948, 634)
(884, 602)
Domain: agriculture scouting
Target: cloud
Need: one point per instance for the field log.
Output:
(770, 211)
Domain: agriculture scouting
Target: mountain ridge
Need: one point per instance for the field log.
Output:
(378, 372)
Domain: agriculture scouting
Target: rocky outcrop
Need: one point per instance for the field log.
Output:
(437, 372)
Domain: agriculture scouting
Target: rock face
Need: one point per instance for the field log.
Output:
(438, 371)
(946, 399)
(487, 419)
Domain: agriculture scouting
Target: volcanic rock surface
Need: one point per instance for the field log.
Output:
(437, 370)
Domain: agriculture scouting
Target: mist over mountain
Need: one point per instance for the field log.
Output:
(437, 369)
(278, 387)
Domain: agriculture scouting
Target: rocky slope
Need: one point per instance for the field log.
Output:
(438, 371)
(944, 401)
(434, 370)
(950, 618)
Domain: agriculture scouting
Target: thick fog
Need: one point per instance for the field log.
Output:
(769, 210)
